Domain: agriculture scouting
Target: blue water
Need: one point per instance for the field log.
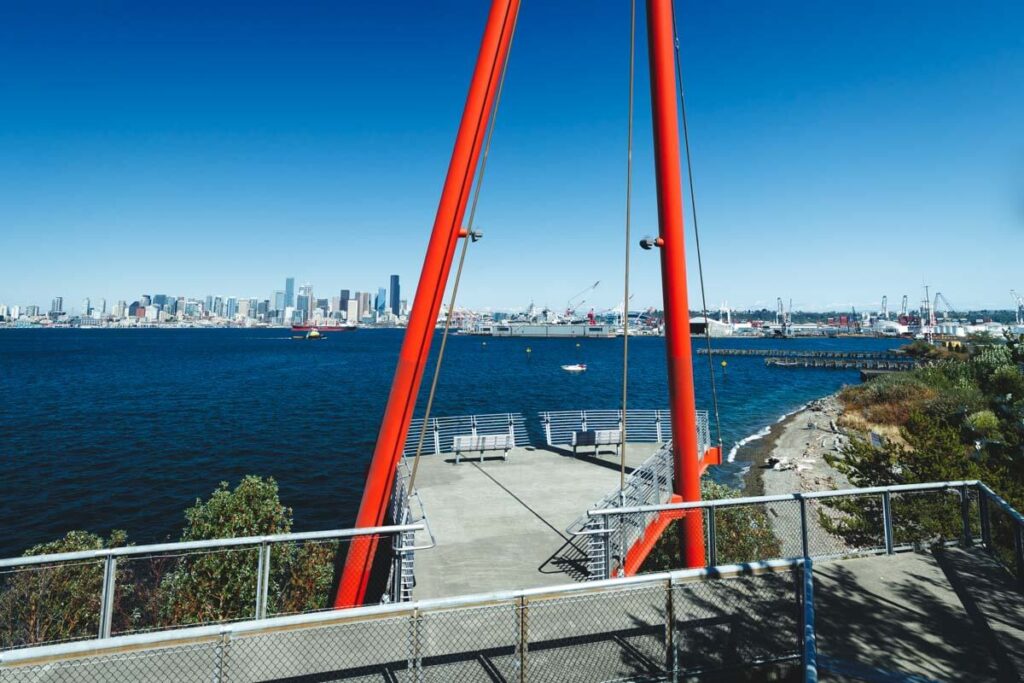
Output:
(104, 429)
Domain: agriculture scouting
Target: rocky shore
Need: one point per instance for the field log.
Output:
(791, 458)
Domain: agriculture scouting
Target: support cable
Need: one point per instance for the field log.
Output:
(696, 229)
(625, 295)
(462, 260)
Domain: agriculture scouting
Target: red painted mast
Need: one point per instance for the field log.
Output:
(412, 359)
(661, 48)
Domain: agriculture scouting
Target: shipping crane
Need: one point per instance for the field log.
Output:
(577, 300)
(903, 307)
(1018, 305)
(935, 307)
(885, 306)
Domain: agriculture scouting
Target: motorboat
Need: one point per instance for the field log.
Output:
(575, 367)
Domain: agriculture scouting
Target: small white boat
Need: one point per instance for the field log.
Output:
(576, 367)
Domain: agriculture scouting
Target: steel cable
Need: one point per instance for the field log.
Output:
(625, 295)
(696, 229)
(462, 259)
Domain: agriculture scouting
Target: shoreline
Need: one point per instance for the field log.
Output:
(797, 444)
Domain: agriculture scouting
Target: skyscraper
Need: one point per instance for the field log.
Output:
(279, 304)
(343, 300)
(381, 301)
(396, 299)
(289, 291)
(57, 305)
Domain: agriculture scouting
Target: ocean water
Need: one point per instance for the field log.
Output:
(104, 429)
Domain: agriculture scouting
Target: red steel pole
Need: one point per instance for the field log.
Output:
(661, 48)
(412, 359)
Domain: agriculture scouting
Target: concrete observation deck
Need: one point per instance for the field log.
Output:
(500, 524)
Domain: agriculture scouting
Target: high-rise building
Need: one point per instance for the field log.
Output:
(343, 300)
(86, 307)
(302, 307)
(289, 291)
(218, 306)
(396, 299)
(103, 306)
(231, 307)
(279, 304)
(365, 302)
(352, 312)
(144, 300)
(209, 304)
(380, 302)
(57, 305)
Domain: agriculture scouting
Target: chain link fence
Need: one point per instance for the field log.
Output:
(691, 622)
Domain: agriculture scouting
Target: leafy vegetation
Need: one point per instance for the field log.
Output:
(61, 601)
(959, 418)
(742, 533)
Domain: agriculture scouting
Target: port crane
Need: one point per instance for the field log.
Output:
(903, 307)
(577, 300)
(885, 307)
(1018, 305)
(939, 297)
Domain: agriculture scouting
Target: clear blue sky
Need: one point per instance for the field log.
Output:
(843, 150)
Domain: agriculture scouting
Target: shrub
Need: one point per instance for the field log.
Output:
(743, 534)
(983, 423)
(53, 602)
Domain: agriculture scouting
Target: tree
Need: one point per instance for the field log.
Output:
(221, 585)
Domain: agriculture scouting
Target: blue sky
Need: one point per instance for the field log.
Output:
(842, 150)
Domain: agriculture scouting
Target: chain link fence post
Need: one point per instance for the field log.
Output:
(524, 638)
(804, 540)
(262, 579)
(712, 537)
(670, 631)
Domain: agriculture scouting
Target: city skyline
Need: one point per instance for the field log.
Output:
(187, 144)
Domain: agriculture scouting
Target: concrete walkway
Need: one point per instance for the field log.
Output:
(950, 616)
(500, 525)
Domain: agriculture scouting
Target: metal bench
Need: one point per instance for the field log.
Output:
(597, 438)
(481, 443)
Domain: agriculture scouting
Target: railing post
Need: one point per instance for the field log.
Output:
(437, 438)
(415, 656)
(546, 420)
(986, 527)
(107, 595)
(262, 580)
(712, 542)
(804, 540)
(887, 522)
(965, 515)
(657, 425)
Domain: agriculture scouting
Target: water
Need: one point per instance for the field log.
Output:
(104, 429)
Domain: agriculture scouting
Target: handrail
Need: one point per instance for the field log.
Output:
(1001, 502)
(200, 633)
(729, 502)
(214, 543)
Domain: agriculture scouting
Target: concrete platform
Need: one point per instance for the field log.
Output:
(954, 615)
(500, 525)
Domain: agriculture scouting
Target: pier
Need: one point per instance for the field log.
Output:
(842, 364)
(802, 353)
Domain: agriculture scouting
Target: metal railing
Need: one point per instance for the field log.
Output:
(669, 625)
(828, 524)
(441, 431)
(642, 426)
(116, 590)
(648, 484)
(405, 510)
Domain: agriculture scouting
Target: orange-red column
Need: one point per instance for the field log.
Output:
(429, 293)
(661, 47)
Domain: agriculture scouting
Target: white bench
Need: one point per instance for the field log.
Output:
(597, 438)
(481, 443)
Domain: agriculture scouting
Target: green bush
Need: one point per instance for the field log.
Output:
(743, 534)
(53, 602)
